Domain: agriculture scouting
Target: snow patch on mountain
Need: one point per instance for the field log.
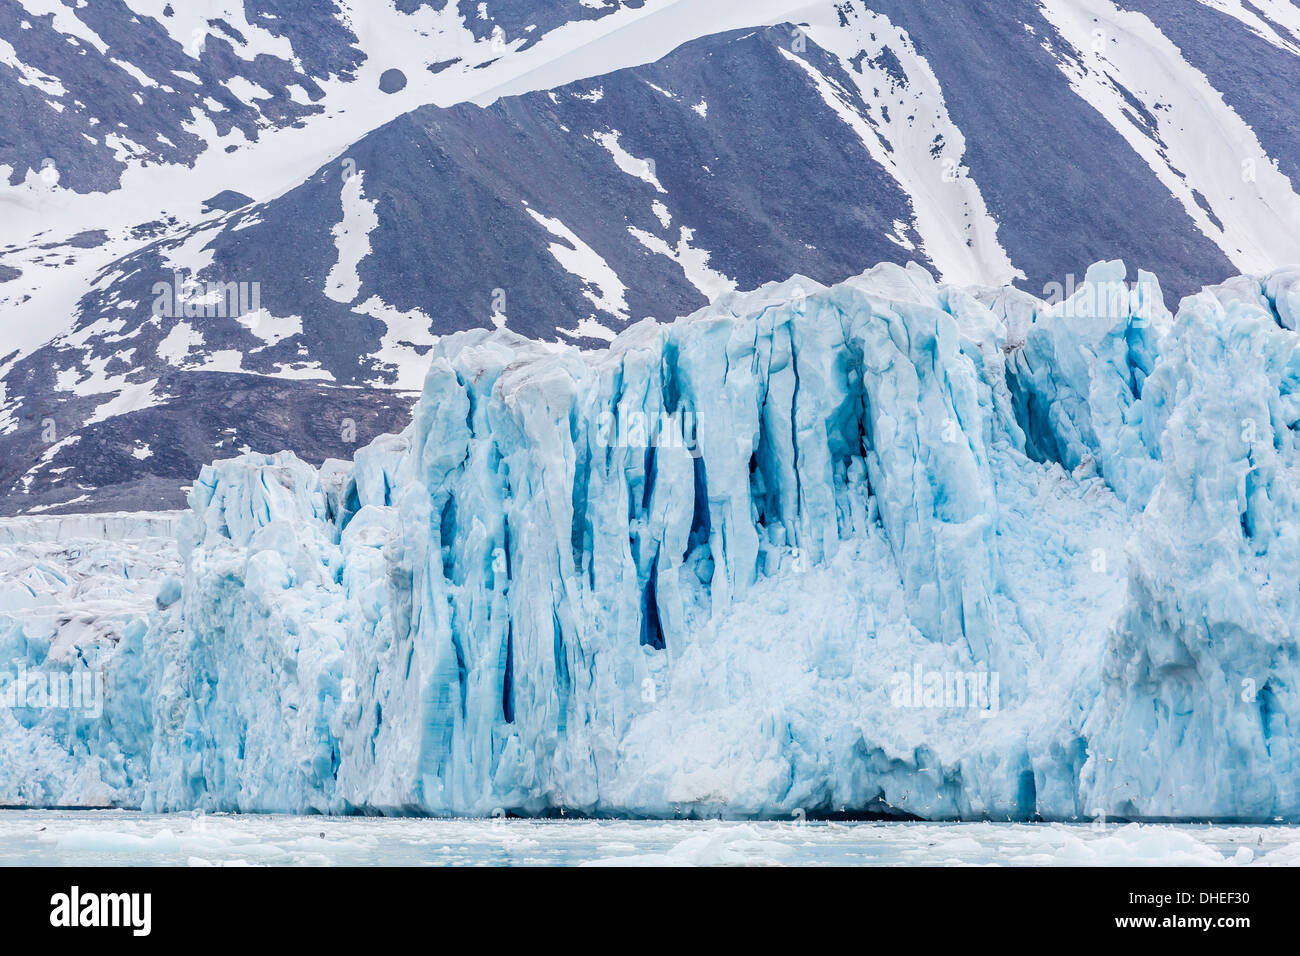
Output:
(694, 262)
(604, 288)
(1203, 152)
(642, 169)
(404, 344)
(351, 239)
(897, 109)
(1277, 21)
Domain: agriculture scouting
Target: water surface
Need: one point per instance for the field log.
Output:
(110, 837)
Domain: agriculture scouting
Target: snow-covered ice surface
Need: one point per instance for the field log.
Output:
(115, 838)
(890, 547)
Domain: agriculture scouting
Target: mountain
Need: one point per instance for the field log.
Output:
(292, 207)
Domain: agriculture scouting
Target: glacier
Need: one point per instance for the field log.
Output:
(73, 588)
(887, 547)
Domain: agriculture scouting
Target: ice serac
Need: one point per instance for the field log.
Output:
(890, 547)
(1201, 671)
(246, 666)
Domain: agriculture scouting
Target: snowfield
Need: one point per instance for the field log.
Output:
(887, 547)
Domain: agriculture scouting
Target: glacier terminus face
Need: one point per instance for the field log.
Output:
(889, 547)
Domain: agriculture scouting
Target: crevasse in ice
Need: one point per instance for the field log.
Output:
(888, 546)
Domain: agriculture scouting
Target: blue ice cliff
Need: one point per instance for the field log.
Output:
(889, 546)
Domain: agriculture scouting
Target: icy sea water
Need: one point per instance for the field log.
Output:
(123, 838)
